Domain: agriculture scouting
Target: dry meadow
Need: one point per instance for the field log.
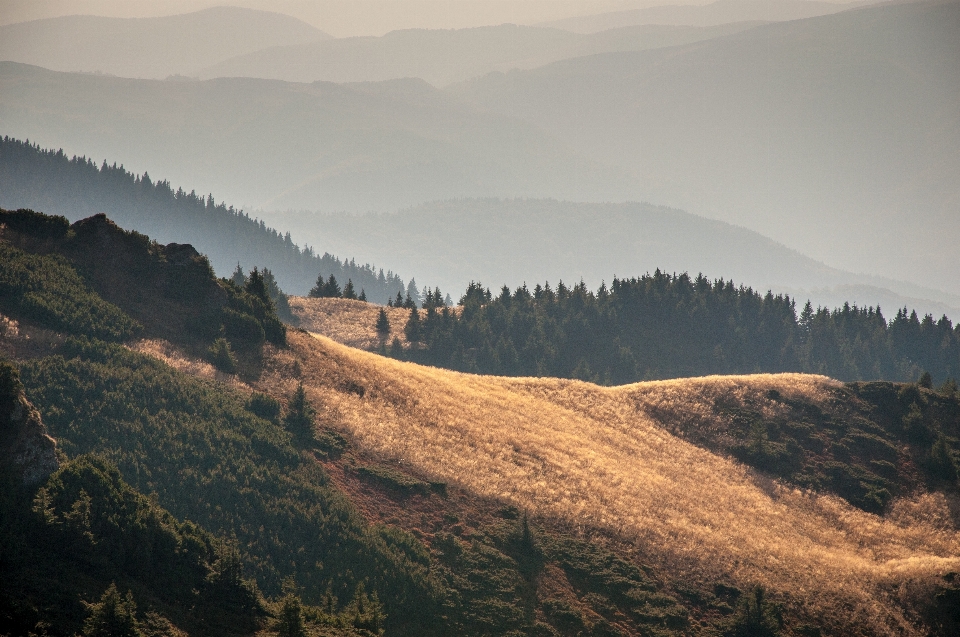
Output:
(597, 459)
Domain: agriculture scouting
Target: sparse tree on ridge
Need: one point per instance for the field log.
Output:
(348, 291)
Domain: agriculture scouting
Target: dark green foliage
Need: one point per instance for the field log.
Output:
(264, 406)
(328, 289)
(85, 528)
(113, 616)
(51, 181)
(412, 330)
(755, 616)
(300, 415)
(101, 281)
(222, 357)
(865, 445)
(664, 326)
(258, 288)
(348, 291)
(279, 299)
(383, 323)
(46, 290)
(942, 464)
(290, 622)
(206, 457)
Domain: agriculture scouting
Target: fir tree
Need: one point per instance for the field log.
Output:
(383, 323)
(363, 295)
(348, 291)
(332, 288)
(257, 286)
(412, 330)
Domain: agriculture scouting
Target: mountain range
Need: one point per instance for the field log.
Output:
(511, 242)
(149, 47)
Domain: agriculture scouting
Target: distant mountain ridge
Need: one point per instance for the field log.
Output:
(444, 56)
(149, 47)
(271, 144)
(509, 242)
(75, 187)
(836, 135)
(715, 13)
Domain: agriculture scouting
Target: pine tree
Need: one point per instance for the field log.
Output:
(316, 292)
(332, 288)
(363, 295)
(398, 302)
(412, 329)
(113, 616)
(348, 291)
(299, 418)
(383, 323)
(258, 287)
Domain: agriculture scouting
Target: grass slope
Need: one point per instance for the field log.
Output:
(596, 458)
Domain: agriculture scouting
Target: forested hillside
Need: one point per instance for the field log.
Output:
(672, 326)
(47, 180)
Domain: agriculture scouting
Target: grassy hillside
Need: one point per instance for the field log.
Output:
(149, 47)
(31, 177)
(444, 56)
(423, 502)
(603, 460)
(834, 135)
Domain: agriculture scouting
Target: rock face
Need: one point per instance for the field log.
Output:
(25, 446)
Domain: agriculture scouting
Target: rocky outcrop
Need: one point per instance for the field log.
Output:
(25, 447)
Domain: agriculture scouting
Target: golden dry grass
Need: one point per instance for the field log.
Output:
(603, 458)
(174, 357)
(347, 321)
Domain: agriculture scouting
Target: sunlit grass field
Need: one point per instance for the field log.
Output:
(599, 459)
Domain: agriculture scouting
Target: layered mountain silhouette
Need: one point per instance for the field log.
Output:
(282, 145)
(444, 56)
(836, 135)
(149, 47)
(511, 242)
(714, 13)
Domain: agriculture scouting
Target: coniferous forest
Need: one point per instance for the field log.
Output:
(31, 177)
(672, 326)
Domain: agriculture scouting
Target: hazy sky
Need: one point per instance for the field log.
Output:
(342, 18)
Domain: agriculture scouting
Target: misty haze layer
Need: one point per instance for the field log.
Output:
(837, 135)
(443, 57)
(512, 242)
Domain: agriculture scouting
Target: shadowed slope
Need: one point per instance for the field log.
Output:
(597, 458)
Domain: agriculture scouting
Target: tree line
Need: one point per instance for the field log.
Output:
(77, 187)
(667, 326)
